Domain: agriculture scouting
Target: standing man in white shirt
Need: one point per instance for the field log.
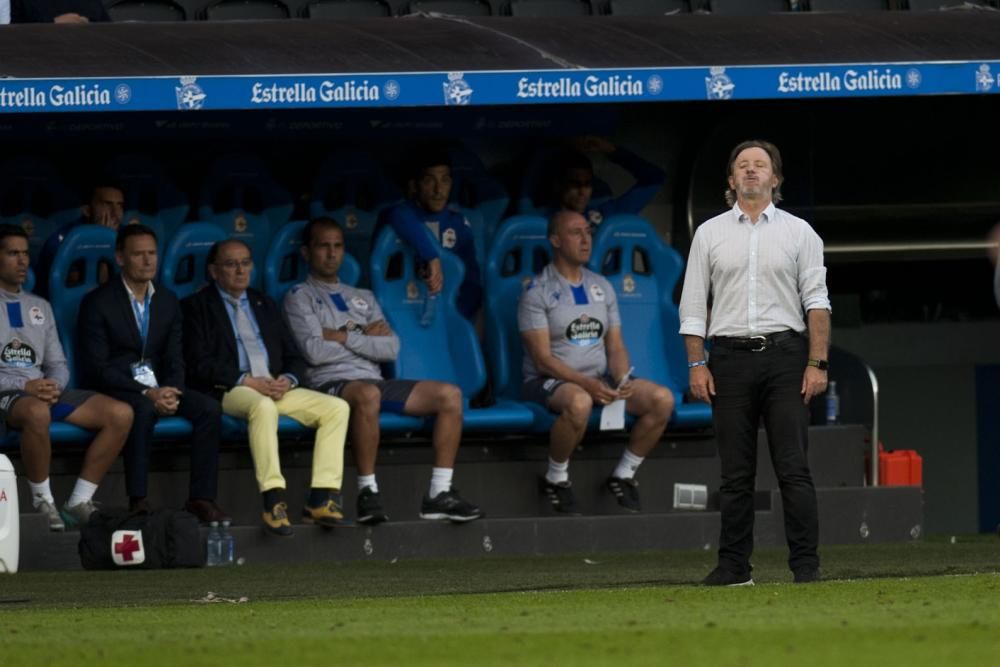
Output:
(769, 326)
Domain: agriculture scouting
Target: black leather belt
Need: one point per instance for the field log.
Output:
(754, 343)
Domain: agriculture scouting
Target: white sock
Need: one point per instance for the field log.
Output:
(82, 492)
(369, 481)
(557, 472)
(628, 465)
(41, 491)
(440, 481)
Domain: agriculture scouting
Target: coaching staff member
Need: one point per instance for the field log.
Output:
(763, 268)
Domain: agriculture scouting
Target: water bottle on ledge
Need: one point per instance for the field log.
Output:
(227, 546)
(832, 403)
(212, 545)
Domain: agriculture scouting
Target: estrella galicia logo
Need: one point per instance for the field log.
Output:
(123, 93)
(654, 84)
(391, 89)
(585, 331)
(914, 78)
(719, 86)
(984, 79)
(190, 96)
(457, 92)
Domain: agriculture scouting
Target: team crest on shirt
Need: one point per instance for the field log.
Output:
(36, 316)
(596, 293)
(585, 331)
(351, 219)
(449, 238)
(359, 303)
(595, 217)
(18, 354)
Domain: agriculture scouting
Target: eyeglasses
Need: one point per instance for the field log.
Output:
(233, 264)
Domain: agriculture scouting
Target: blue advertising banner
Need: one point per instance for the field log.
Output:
(505, 88)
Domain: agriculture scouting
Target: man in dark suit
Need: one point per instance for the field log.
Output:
(129, 338)
(237, 348)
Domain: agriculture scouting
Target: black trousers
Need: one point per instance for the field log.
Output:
(750, 386)
(204, 413)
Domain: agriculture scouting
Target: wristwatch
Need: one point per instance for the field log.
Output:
(821, 364)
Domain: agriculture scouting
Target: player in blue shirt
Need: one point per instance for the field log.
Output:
(428, 211)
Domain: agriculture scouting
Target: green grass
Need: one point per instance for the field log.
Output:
(632, 609)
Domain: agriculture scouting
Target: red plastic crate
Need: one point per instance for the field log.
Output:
(903, 467)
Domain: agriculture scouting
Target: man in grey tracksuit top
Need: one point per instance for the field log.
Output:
(343, 337)
(33, 393)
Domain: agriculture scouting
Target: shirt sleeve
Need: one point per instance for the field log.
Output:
(375, 348)
(412, 230)
(812, 273)
(697, 284)
(54, 365)
(614, 317)
(531, 313)
(307, 331)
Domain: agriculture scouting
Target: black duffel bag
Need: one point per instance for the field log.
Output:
(116, 539)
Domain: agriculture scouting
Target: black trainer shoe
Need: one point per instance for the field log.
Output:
(807, 575)
(370, 510)
(722, 577)
(449, 505)
(626, 491)
(561, 496)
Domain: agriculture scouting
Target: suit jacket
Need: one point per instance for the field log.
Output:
(108, 340)
(213, 360)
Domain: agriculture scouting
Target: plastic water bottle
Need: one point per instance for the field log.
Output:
(832, 403)
(227, 546)
(213, 544)
(429, 310)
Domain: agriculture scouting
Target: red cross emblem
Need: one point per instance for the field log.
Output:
(127, 547)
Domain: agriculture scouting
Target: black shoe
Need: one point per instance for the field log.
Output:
(449, 505)
(561, 496)
(807, 575)
(722, 577)
(370, 510)
(626, 491)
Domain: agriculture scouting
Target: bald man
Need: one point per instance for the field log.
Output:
(575, 359)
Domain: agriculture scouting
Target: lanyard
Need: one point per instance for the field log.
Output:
(142, 318)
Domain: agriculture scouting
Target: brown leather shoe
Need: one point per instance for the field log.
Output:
(206, 510)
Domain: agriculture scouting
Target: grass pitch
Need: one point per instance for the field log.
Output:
(931, 603)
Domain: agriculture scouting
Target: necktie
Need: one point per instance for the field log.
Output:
(255, 355)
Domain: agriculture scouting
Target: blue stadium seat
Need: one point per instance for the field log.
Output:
(240, 195)
(150, 197)
(447, 349)
(184, 267)
(81, 252)
(352, 188)
(33, 196)
(483, 198)
(644, 271)
(285, 265)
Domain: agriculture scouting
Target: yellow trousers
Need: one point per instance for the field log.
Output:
(327, 414)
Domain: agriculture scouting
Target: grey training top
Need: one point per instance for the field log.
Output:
(313, 306)
(577, 317)
(29, 342)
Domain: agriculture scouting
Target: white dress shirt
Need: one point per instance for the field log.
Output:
(762, 277)
(4, 11)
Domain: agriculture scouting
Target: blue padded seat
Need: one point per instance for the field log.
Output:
(33, 196)
(447, 349)
(240, 195)
(352, 188)
(644, 271)
(285, 266)
(184, 269)
(83, 249)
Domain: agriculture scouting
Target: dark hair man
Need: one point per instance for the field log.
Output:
(129, 338)
(33, 393)
(763, 268)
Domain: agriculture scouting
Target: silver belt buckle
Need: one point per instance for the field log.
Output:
(763, 343)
